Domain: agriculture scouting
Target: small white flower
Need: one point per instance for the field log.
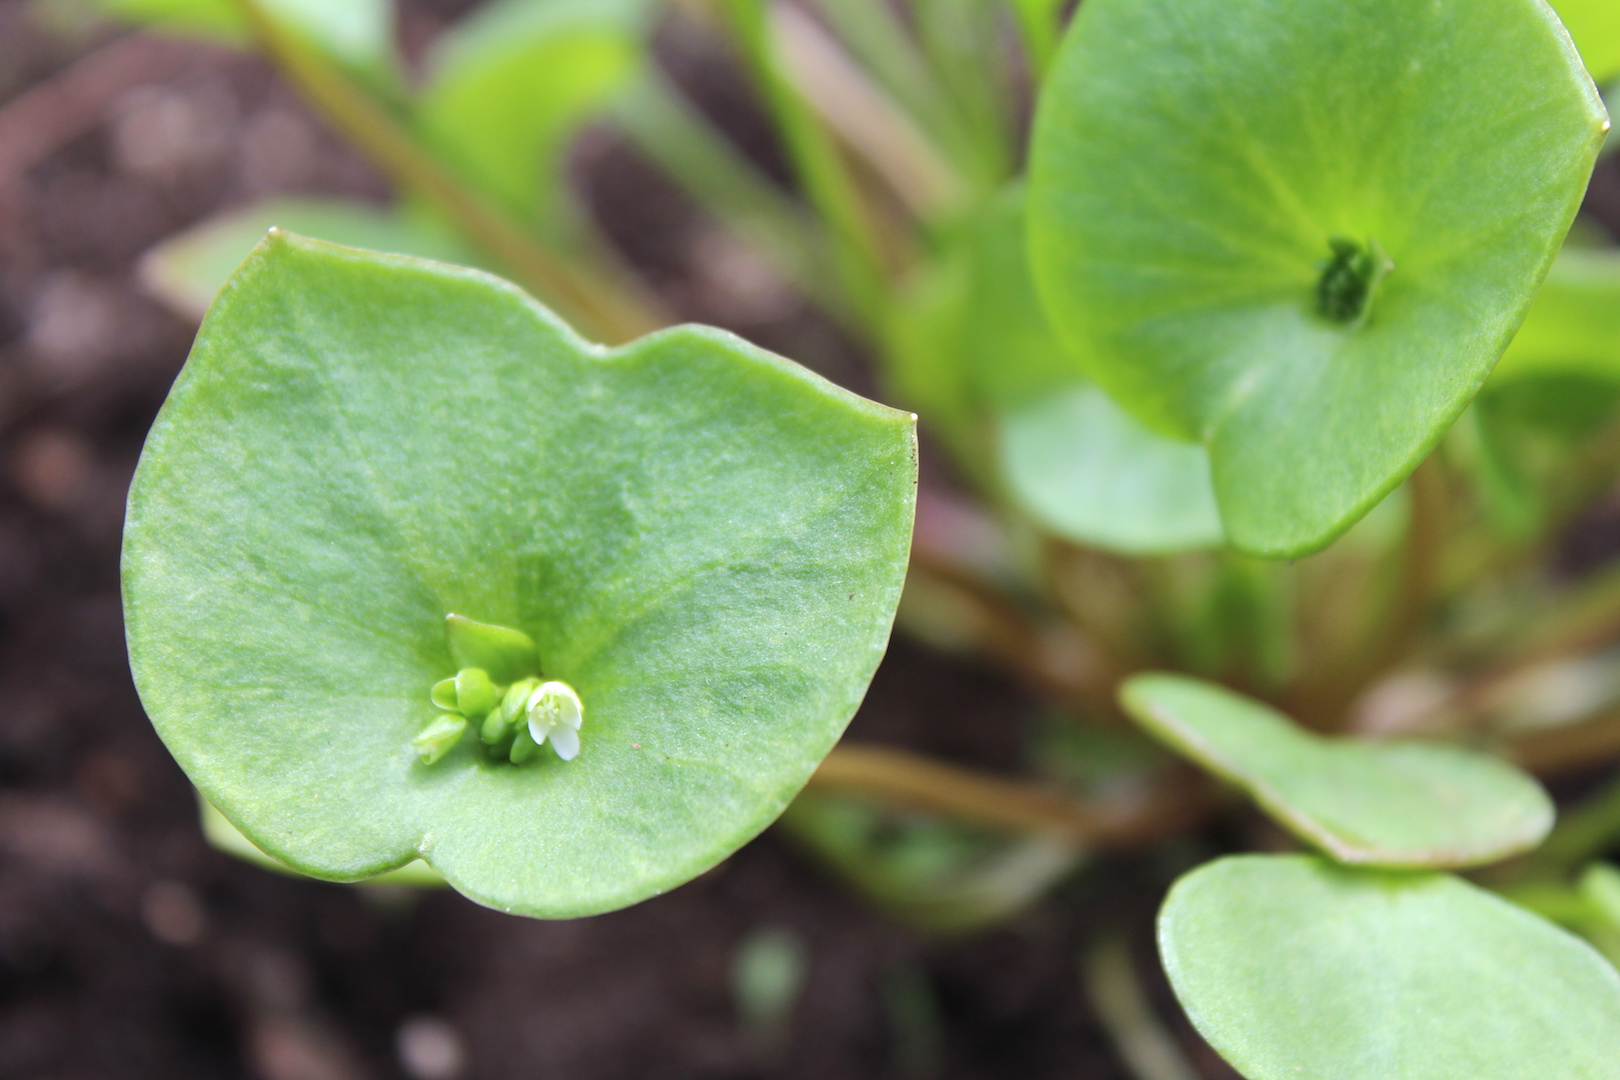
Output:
(555, 712)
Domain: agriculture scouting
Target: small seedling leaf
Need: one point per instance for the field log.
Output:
(1379, 803)
(1292, 966)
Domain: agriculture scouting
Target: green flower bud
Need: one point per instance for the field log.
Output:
(439, 736)
(516, 699)
(523, 747)
(475, 693)
(496, 729)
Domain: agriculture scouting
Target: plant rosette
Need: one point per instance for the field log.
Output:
(669, 571)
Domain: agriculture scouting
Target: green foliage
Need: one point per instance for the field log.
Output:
(417, 579)
(1291, 966)
(1193, 163)
(1573, 327)
(512, 84)
(938, 875)
(1387, 803)
(702, 539)
(971, 347)
(357, 33)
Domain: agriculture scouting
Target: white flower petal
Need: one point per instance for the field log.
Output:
(565, 740)
(566, 702)
(539, 727)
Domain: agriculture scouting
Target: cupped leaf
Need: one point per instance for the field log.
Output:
(1303, 233)
(187, 270)
(972, 340)
(1595, 26)
(1387, 803)
(1293, 967)
(704, 541)
(514, 82)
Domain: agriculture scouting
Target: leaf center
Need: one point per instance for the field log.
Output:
(1350, 279)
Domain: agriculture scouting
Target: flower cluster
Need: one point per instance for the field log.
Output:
(512, 721)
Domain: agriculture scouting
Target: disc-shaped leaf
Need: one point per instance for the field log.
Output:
(1380, 803)
(705, 541)
(973, 340)
(1292, 967)
(1303, 233)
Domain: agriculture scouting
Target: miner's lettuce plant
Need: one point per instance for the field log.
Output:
(1273, 385)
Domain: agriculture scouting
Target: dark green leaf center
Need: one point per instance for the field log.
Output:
(1350, 279)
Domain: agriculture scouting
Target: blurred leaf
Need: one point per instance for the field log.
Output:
(1193, 164)
(937, 874)
(1090, 472)
(1573, 327)
(513, 83)
(1293, 967)
(188, 269)
(1595, 26)
(1389, 803)
(1520, 438)
(971, 341)
(357, 33)
(768, 973)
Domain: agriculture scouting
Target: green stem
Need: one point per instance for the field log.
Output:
(865, 118)
(597, 306)
(667, 128)
(1143, 1043)
(1320, 702)
(1038, 23)
(902, 778)
(828, 184)
(883, 45)
(1583, 833)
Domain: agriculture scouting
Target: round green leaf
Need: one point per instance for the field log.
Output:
(1293, 967)
(704, 540)
(1384, 803)
(1218, 190)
